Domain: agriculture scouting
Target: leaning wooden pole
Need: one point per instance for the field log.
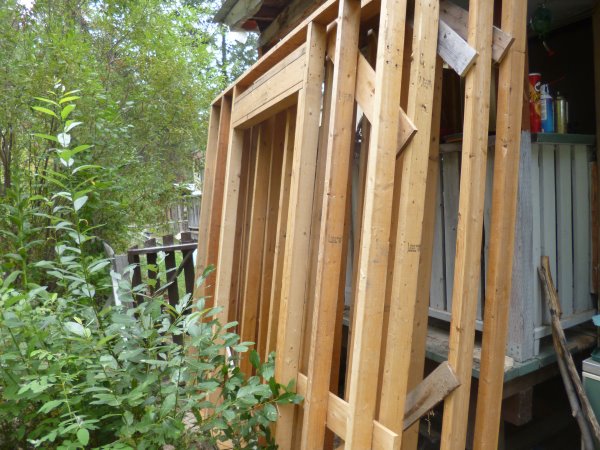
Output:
(560, 345)
(470, 224)
(502, 238)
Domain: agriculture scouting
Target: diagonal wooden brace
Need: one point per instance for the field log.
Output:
(431, 391)
(365, 91)
(456, 18)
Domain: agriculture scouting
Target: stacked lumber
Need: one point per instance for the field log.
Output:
(278, 219)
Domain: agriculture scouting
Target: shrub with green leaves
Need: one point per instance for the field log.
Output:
(76, 372)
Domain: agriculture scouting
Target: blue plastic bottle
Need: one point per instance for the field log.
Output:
(547, 110)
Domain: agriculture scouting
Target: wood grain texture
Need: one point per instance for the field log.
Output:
(333, 206)
(373, 253)
(470, 223)
(256, 240)
(419, 338)
(205, 213)
(410, 264)
(502, 232)
(283, 210)
(297, 245)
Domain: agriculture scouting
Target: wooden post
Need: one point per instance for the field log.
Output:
(171, 272)
(470, 224)
(207, 188)
(188, 268)
(373, 252)
(411, 232)
(329, 259)
(229, 221)
(297, 244)
(213, 204)
(502, 236)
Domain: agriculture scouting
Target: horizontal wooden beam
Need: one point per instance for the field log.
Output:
(271, 93)
(457, 18)
(431, 391)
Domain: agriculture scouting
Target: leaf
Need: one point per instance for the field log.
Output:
(46, 136)
(66, 111)
(71, 124)
(49, 406)
(270, 412)
(69, 99)
(83, 436)
(64, 139)
(98, 266)
(254, 359)
(78, 203)
(75, 328)
(46, 100)
(168, 405)
(45, 111)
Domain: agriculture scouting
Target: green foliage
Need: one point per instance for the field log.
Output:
(76, 372)
(147, 69)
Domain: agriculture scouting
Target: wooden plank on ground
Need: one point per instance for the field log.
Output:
(457, 18)
(470, 223)
(284, 197)
(410, 255)
(338, 153)
(297, 245)
(373, 252)
(256, 239)
(502, 233)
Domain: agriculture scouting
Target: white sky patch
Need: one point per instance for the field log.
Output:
(26, 3)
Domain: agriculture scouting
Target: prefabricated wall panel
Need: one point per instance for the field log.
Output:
(329, 198)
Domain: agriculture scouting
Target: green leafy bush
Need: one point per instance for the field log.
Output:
(76, 372)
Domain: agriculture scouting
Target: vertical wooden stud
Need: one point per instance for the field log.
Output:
(413, 244)
(284, 197)
(215, 199)
(256, 239)
(268, 265)
(228, 222)
(419, 338)
(297, 245)
(373, 251)
(470, 223)
(338, 154)
(207, 188)
(502, 239)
